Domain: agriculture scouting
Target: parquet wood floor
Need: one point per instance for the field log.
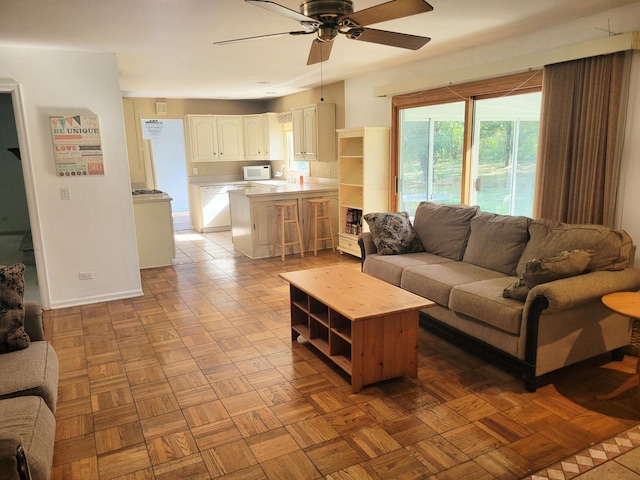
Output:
(199, 379)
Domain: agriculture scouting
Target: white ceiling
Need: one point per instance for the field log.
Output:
(164, 47)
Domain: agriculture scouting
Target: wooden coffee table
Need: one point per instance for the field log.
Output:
(366, 326)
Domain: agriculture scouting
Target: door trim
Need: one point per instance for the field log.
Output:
(13, 88)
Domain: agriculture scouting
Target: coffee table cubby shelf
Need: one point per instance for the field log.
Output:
(323, 327)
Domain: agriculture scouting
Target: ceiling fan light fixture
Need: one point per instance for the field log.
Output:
(327, 33)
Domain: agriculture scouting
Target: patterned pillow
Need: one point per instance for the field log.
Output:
(12, 333)
(393, 233)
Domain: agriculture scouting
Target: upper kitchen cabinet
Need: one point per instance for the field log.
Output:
(314, 132)
(263, 137)
(214, 138)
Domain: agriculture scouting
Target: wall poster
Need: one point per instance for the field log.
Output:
(76, 145)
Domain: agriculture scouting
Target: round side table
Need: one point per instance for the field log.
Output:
(628, 304)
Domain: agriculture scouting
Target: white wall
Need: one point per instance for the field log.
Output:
(364, 109)
(94, 231)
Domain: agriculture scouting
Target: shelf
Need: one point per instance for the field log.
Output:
(321, 345)
(343, 362)
(318, 331)
(341, 326)
(301, 329)
(319, 311)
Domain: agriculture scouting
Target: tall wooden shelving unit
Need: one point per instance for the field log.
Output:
(363, 155)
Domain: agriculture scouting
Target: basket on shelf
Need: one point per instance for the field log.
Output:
(634, 347)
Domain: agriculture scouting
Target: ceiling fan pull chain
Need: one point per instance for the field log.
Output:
(321, 83)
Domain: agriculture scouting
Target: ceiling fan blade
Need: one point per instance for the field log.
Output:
(389, 11)
(319, 52)
(285, 11)
(258, 37)
(383, 37)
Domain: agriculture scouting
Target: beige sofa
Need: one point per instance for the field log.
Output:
(28, 396)
(470, 263)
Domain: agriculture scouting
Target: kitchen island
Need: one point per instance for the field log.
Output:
(252, 212)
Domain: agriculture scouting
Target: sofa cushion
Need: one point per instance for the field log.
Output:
(32, 371)
(12, 333)
(389, 267)
(443, 229)
(30, 418)
(497, 241)
(436, 281)
(612, 248)
(392, 233)
(483, 301)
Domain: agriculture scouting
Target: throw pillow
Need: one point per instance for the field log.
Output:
(393, 233)
(542, 270)
(563, 265)
(12, 333)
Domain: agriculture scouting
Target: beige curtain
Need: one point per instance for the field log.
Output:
(581, 136)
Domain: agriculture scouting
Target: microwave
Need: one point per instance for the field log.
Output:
(257, 172)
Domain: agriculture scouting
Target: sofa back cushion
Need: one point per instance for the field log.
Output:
(497, 241)
(444, 229)
(611, 248)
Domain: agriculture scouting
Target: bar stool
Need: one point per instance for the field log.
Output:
(286, 213)
(319, 210)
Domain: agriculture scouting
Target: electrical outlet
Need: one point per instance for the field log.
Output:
(85, 275)
(195, 170)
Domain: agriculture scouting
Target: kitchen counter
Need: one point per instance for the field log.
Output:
(277, 187)
(252, 212)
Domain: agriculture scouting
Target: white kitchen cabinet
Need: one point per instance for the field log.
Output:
(263, 137)
(314, 136)
(363, 181)
(230, 138)
(212, 138)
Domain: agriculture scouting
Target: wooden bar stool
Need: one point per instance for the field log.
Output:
(319, 210)
(286, 214)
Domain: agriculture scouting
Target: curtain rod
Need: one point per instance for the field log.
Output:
(522, 63)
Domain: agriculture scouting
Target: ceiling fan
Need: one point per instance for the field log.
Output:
(328, 18)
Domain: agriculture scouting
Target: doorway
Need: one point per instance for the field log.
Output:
(16, 242)
(169, 164)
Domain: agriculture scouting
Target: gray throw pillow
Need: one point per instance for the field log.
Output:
(542, 270)
(393, 233)
(12, 333)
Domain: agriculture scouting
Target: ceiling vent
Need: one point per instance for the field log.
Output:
(161, 108)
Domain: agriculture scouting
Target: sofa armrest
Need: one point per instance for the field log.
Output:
(573, 291)
(13, 461)
(365, 240)
(33, 323)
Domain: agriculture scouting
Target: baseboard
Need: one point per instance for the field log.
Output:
(75, 302)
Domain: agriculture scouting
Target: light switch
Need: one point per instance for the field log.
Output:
(65, 193)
